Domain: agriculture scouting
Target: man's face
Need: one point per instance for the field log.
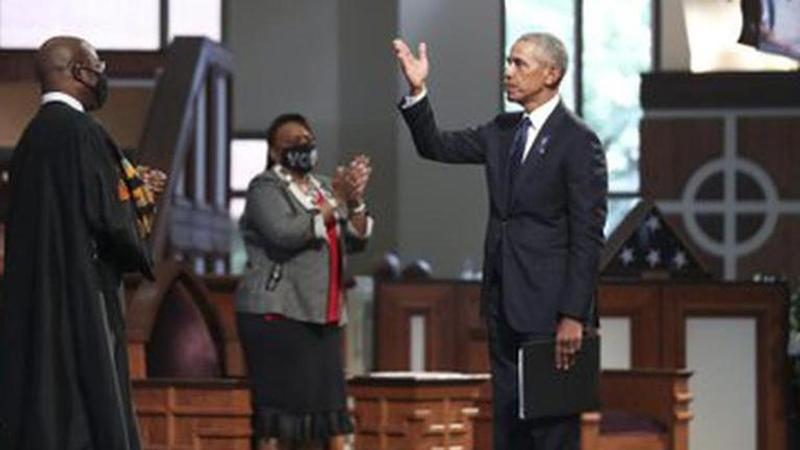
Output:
(90, 58)
(290, 135)
(88, 70)
(528, 75)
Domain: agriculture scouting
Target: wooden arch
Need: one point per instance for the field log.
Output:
(174, 330)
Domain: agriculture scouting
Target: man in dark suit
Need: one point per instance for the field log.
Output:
(547, 181)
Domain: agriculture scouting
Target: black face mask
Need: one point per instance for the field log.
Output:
(100, 88)
(300, 158)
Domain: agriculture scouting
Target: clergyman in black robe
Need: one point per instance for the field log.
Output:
(74, 226)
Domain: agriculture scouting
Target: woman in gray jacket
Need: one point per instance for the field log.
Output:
(297, 227)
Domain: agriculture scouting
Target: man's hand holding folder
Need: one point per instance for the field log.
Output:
(569, 338)
(570, 386)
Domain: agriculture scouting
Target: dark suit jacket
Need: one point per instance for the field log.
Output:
(548, 237)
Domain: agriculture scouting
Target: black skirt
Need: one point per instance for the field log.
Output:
(297, 378)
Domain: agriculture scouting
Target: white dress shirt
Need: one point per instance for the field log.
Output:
(57, 96)
(537, 118)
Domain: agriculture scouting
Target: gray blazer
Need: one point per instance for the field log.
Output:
(288, 264)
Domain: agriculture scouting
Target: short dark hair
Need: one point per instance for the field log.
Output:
(282, 120)
(551, 47)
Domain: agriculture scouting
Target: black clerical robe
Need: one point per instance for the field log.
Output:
(71, 233)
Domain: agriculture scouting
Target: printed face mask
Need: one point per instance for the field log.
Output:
(99, 89)
(300, 158)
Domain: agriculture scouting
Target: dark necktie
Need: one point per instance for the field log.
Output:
(517, 150)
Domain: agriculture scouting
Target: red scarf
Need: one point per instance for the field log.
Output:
(334, 270)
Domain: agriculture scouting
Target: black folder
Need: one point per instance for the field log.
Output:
(545, 391)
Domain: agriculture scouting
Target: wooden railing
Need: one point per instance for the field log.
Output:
(187, 136)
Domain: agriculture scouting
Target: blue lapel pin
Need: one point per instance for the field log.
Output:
(542, 147)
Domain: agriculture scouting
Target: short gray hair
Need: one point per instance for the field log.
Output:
(551, 47)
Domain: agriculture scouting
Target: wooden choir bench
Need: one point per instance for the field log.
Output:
(643, 409)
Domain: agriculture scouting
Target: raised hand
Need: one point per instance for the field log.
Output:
(415, 69)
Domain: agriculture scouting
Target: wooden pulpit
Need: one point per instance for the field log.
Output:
(415, 410)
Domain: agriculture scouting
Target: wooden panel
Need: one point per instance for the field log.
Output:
(396, 303)
(137, 360)
(144, 307)
(470, 330)
(642, 305)
(677, 140)
(631, 441)
(20, 102)
(455, 334)
(720, 89)
(221, 439)
(181, 343)
(772, 143)
(778, 255)
(413, 414)
(18, 64)
(675, 148)
(483, 421)
(765, 303)
(193, 415)
(221, 292)
(660, 394)
(123, 115)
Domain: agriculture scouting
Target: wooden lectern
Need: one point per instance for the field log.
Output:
(415, 410)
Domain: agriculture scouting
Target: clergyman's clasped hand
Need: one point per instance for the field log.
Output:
(154, 179)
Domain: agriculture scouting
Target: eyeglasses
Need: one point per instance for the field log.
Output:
(98, 67)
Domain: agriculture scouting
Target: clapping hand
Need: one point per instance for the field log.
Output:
(350, 182)
(360, 171)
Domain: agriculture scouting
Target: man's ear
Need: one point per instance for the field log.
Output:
(75, 70)
(552, 77)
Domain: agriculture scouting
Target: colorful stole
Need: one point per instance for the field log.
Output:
(132, 185)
